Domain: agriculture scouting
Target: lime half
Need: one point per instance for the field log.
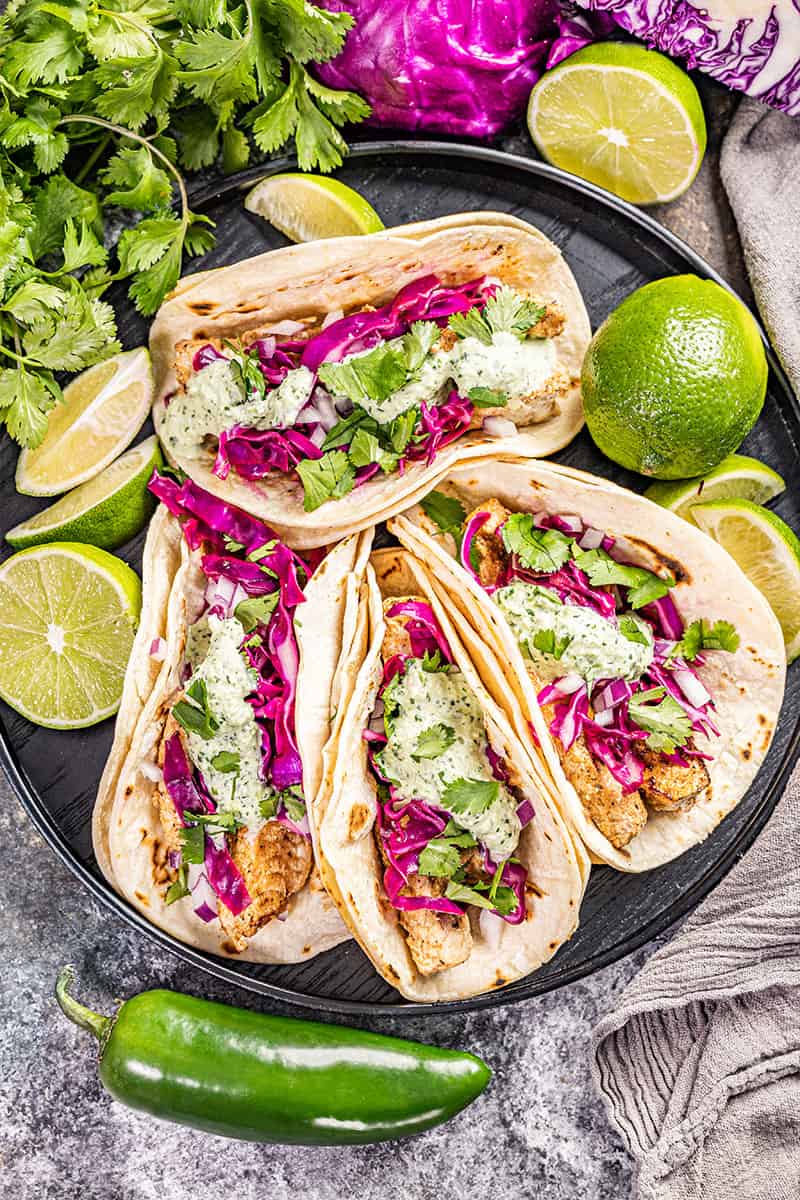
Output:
(622, 117)
(308, 207)
(768, 552)
(736, 476)
(103, 410)
(105, 511)
(68, 614)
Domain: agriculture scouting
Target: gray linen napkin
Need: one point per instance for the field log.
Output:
(699, 1066)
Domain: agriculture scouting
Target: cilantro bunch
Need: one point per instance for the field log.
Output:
(103, 105)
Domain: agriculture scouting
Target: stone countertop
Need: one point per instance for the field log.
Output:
(539, 1130)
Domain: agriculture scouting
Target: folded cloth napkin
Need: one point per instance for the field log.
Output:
(699, 1065)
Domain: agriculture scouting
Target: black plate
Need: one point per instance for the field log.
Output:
(613, 249)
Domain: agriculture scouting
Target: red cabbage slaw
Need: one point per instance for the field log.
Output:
(229, 534)
(253, 453)
(610, 735)
(406, 826)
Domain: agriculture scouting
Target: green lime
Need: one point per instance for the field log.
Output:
(106, 511)
(737, 475)
(104, 408)
(308, 207)
(622, 117)
(674, 378)
(68, 614)
(768, 552)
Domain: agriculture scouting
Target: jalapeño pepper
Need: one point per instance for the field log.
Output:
(264, 1078)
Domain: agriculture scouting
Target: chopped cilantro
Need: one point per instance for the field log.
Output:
(644, 586)
(365, 449)
(343, 431)
(193, 843)
(702, 635)
(326, 478)
(226, 761)
(373, 376)
(506, 312)
(666, 722)
(418, 342)
(484, 397)
(470, 797)
(401, 429)
(633, 629)
(196, 717)
(445, 511)
(294, 803)
(440, 857)
(434, 741)
(256, 610)
(179, 886)
(546, 641)
(268, 807)
(463, 894)
(433, 661)
(540, 550)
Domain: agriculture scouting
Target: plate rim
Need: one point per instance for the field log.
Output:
(202, 194)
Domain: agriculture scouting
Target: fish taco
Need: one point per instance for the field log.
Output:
(447, 859)
(648, 671)
(201, 816)
(323, 387)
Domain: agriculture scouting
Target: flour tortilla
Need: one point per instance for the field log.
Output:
(305, 283)
(127, 833)
(747, 686)
(345, 808)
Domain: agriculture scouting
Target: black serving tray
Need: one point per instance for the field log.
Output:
(612, 248)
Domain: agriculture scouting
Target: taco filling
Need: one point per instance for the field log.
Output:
(372, 392)
(614, 666)
(229, 776)
(449, 812)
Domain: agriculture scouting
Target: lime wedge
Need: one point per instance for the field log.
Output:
(68, 614)
(622, 117)
(106, 511)
(308, 207)
(768, 552)
(103, 410)
(736, 476)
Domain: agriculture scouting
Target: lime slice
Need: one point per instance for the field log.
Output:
(308, 207)
(768, 552)
(68, 614)
(103, 410)
(623, 117)
(105, 511)
(736, 476)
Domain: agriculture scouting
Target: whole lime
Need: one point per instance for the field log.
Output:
(674, 379)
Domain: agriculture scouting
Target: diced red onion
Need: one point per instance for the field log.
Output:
(525, 812)
(266, 347)
(151, 771)
(205, 912)
(569, 684)
(318, 437)
(286, 328)
(603, 717)
(499, 427)
(612, 694)
(571, 524)
(158, 649)
(591, 539)
(692, 688)
(330, 317)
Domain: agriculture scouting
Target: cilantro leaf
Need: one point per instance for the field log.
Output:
(702, 635)
(226, 761)
(343, 431)
(417, 343)
(268, 807)
(461, 893)
(484, 397)
(137, 180)
(401, 429)
(326, 478)
(445, 511)
(470, 797)
(373, 376)
(82, 332)
(193, 713)
(440, 857)
(470, 324)
(509, 312)
(540, 550)
(81, 247)
(294, 803)
(666, 722)
(179, 886)
(193, 843)
(256, 610)
(434, 741)
(26, 398)
(434, 662)
(634, 629)
(602, 569)
(546, 641)
(365, 449)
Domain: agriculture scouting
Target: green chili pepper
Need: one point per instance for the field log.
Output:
(271, 1079)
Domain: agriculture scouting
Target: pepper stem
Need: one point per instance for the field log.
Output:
(96, 1023)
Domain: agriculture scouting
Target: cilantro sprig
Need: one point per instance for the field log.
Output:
(506, 312)
(666, 723)
(103, 109)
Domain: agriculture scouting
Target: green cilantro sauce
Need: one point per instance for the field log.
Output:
(515, 368)
(214, 401)
(229, 681)
(589, 645)
(423, 699)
